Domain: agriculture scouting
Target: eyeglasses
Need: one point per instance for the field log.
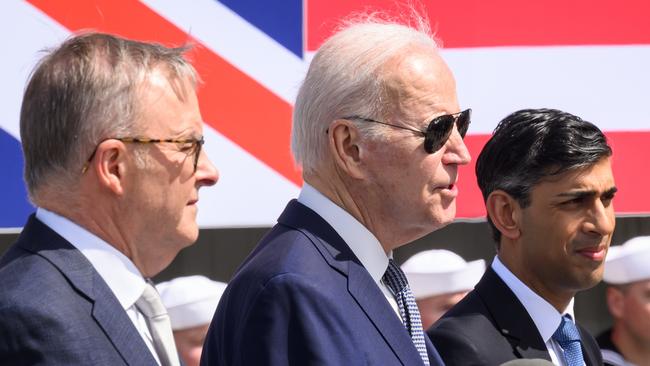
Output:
(438, 130)
(194, 147)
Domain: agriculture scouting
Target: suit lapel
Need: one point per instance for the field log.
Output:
(360, 285)
(118, 327)
(370, 298)
(511, 318)
(434, 356)
(590, 350)
(107, 311)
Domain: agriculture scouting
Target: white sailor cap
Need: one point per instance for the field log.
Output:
(190, 301)
(439, 271)
(629, 262)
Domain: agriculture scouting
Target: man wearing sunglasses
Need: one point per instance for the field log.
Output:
(112, 135)
(378, 132)
(548, 186)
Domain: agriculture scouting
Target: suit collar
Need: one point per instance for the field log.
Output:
(510, 316)
(508, 313)
(328, 242)
(361, 286)
(358, 238)
(39, 239)
(544, 315)
(116, 269)
(590, 350)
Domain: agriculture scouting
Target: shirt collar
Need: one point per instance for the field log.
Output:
(546, 318)
(117, 270)
(361, 241)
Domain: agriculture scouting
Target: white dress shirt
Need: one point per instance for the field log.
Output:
(361, 241)
(546, 318)
(119, 273)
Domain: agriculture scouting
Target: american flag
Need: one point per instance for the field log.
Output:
(588, 57)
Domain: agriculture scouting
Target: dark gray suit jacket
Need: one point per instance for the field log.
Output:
(55, 309)
(490, 326)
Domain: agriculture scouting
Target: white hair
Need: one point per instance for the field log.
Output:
(346, 78)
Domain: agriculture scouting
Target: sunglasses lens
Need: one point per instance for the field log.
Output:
(462, 123)
(440, 129)
(438, 132)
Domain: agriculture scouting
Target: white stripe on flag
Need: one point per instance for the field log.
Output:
(248, 193)
(238, 42)
(25, 32)
(607, 85)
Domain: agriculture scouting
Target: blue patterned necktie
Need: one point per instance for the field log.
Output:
(568, 337)
(395, 279)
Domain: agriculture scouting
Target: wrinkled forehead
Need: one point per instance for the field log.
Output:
(418, 84)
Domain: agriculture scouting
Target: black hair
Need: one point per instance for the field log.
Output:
(531, 144)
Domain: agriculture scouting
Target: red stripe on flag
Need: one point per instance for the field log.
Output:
(629, 162)
(263, 128)
(475, 23)
(231, 102)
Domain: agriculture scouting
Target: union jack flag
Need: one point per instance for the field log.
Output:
(588, 57)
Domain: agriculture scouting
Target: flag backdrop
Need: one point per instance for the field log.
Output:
(588, 57)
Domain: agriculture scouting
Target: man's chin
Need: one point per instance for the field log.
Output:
(445, 216)
(188, 236)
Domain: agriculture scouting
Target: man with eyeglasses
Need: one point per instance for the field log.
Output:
(547, 182)
(378, 132)
(112, 135)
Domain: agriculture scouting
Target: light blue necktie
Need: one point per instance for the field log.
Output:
(395, 279)
(568, 337)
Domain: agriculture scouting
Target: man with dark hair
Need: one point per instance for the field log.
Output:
(547, 182)
(111, 133)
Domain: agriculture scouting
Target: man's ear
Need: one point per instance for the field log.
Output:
(505, 213)
(615, 302)
(343, 138)
(109, 165)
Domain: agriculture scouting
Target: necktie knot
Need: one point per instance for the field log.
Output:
(568, 337)
(567, 332)
(150, 303)
(395, 278)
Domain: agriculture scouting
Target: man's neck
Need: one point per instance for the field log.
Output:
(96, 218)
(631, 348)
(558, 298)
(355, 204)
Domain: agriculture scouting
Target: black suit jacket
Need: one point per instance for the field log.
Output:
(490, 326)
(55, 309)
(303, 298)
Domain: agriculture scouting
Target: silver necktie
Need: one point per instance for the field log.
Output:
(151, 306)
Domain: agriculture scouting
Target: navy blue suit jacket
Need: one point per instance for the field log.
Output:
(55, 309)
(490, 326)
(303, 298)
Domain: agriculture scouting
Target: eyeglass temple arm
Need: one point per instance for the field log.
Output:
(386, 124)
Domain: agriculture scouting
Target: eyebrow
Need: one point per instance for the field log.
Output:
(588, 193)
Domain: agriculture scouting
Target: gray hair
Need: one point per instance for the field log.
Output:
(81, 93)
(346, 78)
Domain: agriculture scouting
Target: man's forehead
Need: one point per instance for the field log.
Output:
(169, 105)
(419, 86)
(597, 177)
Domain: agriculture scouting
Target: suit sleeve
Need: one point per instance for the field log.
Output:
(454, 347)
(31, 336)
(291, 322)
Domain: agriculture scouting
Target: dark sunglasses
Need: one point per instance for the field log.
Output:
(439, 128)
